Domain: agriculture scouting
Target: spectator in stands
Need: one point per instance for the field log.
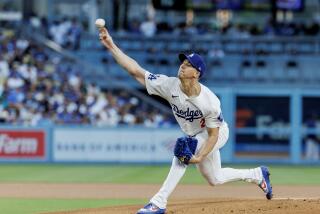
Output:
(148, 27)
(15, 81)
(74, 35)
(312, 142)
(56, 33)
(66, 33)
(4, 73)
(37, 88)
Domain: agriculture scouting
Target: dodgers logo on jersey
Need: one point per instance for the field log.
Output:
(153, 77)
(188, 115)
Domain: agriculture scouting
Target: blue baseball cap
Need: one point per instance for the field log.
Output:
(195, 60)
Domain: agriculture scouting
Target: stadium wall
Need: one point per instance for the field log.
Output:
(88, 144)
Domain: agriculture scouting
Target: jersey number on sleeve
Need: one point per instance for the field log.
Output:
(202, 123)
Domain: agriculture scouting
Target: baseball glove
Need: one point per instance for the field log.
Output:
(185, 148)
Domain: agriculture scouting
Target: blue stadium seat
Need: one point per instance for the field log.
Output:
(276, 69)
(292, 70)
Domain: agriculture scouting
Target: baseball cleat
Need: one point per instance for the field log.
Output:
(265, 184)
(151, 209)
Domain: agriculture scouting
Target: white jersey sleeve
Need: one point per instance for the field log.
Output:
(214, 119)
(157, 84)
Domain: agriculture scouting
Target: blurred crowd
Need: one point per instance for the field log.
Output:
(66, 32)
(38, 88)
(149, 28)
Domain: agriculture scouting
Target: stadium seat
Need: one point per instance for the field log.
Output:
(292, 70)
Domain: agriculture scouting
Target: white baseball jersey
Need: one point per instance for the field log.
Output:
(193, 114)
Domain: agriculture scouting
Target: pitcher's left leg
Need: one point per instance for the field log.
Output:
(211, 169)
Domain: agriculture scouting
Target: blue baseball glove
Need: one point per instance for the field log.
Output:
(185, 148)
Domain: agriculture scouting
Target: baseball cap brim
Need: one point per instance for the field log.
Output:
(183, 56)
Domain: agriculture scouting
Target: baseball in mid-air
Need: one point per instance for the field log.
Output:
(100, 23)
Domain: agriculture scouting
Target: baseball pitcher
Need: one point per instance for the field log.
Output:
(198, 112)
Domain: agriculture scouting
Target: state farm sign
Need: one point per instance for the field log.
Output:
(22, 144)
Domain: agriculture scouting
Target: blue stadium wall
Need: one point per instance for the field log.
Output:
(88, 144)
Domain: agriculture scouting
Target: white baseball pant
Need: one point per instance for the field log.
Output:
(210, 168)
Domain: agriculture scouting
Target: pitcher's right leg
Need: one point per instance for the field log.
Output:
(158, 202)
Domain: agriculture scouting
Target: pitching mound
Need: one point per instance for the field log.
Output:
(186, 199)
(205, 206)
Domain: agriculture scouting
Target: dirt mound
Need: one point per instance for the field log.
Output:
(205, 206)
(186, 199)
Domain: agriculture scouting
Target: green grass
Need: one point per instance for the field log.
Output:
(293, 175)
(298, 175)
(28, 206)
(32, 173)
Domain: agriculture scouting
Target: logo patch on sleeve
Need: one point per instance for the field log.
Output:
(153, 77)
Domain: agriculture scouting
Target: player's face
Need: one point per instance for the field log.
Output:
(186, 70)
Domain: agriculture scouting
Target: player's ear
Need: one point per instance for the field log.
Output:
(198, 75)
